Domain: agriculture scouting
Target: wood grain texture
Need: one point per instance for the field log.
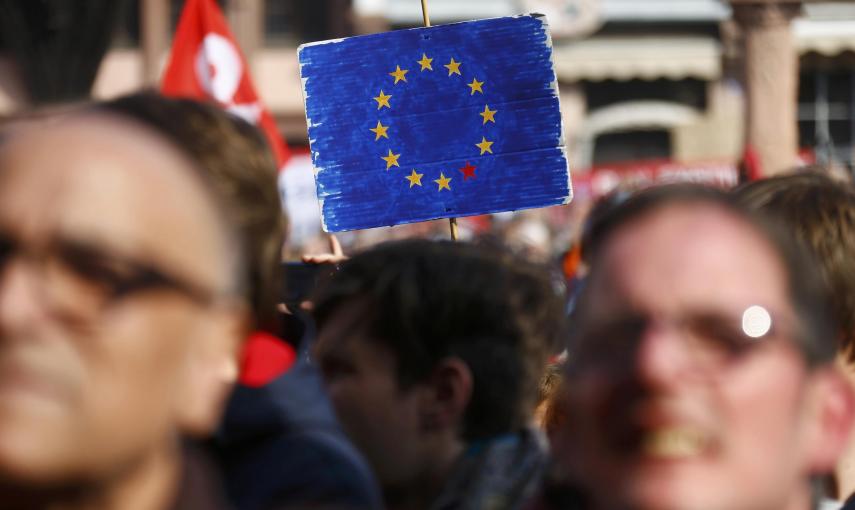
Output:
(433, 120)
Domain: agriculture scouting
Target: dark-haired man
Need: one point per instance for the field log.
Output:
(432, 353)
(700, 371)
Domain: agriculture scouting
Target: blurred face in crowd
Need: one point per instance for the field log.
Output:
(382, 419)
(687, 392)
(114, 329)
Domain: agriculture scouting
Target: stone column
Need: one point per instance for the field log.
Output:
(246, 18)
(369, 16)
(154, 37)
(771, 79)
(573, 113)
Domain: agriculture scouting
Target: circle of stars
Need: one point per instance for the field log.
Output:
(383, 100)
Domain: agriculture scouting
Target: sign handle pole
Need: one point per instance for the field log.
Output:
(452, 221)
(425, 14)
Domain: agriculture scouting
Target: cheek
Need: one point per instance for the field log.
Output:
(765, 394)
(581, 433)
(135, 369)
(346, 400)
(584, 402)
(381, 422)
(763, 416)
(117, 382)
(352, 398)
(372, 406)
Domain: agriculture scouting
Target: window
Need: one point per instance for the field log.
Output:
(280, 22)
(293, 22)
(635, 145)
(689, 92)
(827, 113)
(128, 30)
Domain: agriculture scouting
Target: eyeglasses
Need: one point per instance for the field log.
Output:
(713, 338)
(83, 278)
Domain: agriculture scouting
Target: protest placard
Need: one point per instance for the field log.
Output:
(439, 122)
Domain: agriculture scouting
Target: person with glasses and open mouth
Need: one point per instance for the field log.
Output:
(700, 366)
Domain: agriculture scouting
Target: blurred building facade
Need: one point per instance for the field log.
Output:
(639, 79)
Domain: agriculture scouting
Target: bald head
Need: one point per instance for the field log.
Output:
(117, 173)
(118, 291)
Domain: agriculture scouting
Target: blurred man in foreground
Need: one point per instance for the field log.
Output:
(432, 354)
(279, 444)
(700, 371)
(820, 213)
(120, 317)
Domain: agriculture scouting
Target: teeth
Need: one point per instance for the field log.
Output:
(675, 442)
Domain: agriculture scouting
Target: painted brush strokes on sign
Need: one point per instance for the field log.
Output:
(439, 122)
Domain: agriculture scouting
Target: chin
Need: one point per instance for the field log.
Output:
(674, 494)
(34, 455)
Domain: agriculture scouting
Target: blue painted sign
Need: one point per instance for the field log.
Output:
(439, 122)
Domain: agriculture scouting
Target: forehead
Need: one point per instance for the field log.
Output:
(101, 179)
(347, 332)
(345, 327)
(691, 255)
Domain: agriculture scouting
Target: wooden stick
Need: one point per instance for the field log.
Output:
(452, 221)
(425, 14)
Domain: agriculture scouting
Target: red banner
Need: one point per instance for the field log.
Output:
(601, 180)
(206, 63)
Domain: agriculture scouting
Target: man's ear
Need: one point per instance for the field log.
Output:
(212, 368)
(832, 402)
(446, 395)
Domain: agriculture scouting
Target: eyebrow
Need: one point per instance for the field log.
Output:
(134, 250)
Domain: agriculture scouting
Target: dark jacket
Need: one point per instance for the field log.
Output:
(201, 486)
(500, 473)
(282, 447)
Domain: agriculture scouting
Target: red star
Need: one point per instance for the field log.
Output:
(468, 171)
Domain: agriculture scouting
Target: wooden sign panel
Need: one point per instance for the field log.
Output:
(439, 122)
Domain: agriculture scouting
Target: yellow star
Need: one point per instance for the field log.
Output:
(475, 86)
(380, 130)
(485, 146)
(488, 114)
(399, 74)
(415, 178)
(453, 67)
(443, 182)
(383, 100)
(392, 159)
(425, 63)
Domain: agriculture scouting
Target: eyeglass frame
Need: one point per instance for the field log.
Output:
(580, 361)
(145, 276)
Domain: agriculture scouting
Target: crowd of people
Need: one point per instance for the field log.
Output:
(151, 359)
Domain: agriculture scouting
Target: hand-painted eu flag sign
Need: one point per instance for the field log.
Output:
(438, 122)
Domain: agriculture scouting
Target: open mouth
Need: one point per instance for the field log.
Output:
(674, 443)
(658, 431)
(640, 425)
(18, 381)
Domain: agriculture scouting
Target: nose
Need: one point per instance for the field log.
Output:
(21, 303)
(662, 358)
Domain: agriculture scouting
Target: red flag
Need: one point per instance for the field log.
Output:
(751, 166)
(206, 63)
